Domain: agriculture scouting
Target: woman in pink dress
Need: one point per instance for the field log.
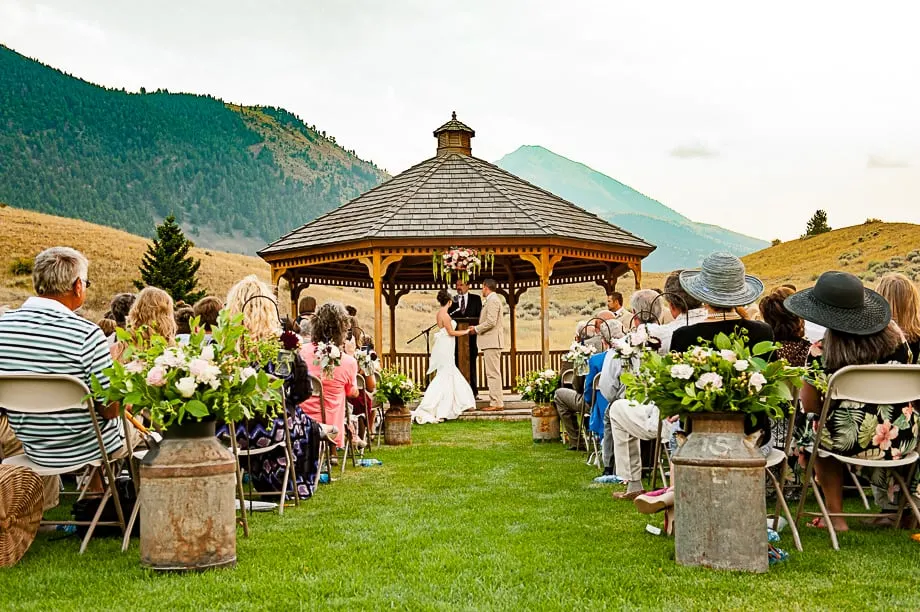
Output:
(329, 324)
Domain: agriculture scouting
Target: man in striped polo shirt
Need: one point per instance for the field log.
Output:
(45, 336)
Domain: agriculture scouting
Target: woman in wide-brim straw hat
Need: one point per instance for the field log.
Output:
(860, 331)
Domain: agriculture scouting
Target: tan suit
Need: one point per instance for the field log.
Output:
(491, 338)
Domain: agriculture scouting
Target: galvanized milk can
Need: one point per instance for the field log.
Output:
(188, 502)
(720, 514)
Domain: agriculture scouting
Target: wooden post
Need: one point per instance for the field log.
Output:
(544, 305)
(392, 303)
(512, 306)
(377, 276)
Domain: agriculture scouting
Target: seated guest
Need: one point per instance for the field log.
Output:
(328, 325)
(722, 285)
(904, 299)
(685, 310)
(602, 319)
(151, 314)
(77, 347)
(788, 329)
(107, 326)
(207, 309)
(183, 328)
(615, 306)
(260, 317)
(569, 403)
(305, 311)
(646, 308)
(118, 312)
(860, 331)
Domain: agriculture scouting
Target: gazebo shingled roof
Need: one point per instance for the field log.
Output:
(384, 239)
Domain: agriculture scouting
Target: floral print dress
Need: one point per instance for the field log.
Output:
(865, 431)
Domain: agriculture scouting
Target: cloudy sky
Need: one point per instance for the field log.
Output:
(748, 115)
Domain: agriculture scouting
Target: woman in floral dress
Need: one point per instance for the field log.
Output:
(859, 332)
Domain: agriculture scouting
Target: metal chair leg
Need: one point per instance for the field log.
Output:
(781, 500)
(859, 488)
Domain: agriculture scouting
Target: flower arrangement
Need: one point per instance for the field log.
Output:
(396, 388)
(367, 360)
(722, 376)
(328, 356)
(578, 355)
(205, 378)
(537, 386)
(465, 262)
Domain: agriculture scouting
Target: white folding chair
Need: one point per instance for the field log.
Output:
(587, 436)
(567, 378)
(780, 457)
(26, 392)
(327, 445)
(868, 384)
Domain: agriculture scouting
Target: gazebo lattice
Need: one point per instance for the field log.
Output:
(384, 239)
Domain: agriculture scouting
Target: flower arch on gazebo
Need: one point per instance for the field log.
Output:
(385, 239)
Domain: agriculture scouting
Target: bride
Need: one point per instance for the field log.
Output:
(448, 394)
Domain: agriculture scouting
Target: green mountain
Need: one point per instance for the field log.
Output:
(682, 243)
(235, 177)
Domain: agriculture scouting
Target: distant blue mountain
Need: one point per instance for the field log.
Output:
(682, 243)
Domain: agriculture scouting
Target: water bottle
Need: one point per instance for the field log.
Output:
(370, 462)
(324, 478)
(67, 529)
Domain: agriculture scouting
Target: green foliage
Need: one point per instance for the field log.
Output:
(74, 149)
(538, 386)
(167, 264)
(817, 224)
(396, 388)
(725, 375)
(21, 266)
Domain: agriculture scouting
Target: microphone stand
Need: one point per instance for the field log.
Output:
(427, 333)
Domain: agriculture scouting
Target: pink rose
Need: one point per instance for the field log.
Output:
(156, 377)
(135, 366)
(197, 367)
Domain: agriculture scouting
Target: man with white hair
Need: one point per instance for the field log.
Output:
(44, 336)
(646, 307)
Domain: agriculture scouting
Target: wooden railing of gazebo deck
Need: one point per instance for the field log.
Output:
(415, 365)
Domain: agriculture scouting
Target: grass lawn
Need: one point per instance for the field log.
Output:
(472, 516)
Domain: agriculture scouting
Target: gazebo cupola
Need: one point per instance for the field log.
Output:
(454, 137)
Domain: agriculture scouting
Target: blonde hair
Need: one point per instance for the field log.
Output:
(260, 316)
(153, 310)
(904, 298)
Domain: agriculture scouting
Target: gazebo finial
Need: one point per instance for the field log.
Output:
(453, 115)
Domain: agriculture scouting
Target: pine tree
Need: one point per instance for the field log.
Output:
(817, 224)
(167, 265)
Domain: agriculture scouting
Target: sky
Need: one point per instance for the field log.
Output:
(747, 115)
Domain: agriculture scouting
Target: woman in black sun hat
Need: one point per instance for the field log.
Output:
(859, 332)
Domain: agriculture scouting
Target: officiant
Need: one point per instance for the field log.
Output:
(467, 306)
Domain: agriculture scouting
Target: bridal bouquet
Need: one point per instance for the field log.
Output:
(328, 356)
(578, 355)
(538, 387)
(204, 378)
(720, 376)
(465, 262)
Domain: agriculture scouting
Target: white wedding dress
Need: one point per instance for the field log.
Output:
(448, 394)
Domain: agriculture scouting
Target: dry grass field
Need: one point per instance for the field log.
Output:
(115, 257)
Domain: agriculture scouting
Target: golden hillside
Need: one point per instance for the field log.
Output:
(867, 250)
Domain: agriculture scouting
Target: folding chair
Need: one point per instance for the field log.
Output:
(369, 402)
(567, 379)
(31, 393)
(289, 474)
(587, 436)
(780, 457)
(379, 414)
(351, 449)
(327, 445)
(869, 384)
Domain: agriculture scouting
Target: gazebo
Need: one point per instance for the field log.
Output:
(385, 239)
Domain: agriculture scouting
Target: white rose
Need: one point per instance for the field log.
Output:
(549, 373)
(681, 371)
(757, 381)
(334, 352)
(247, 373)
(741, 365)
(638, 337)
(709, 380)
(728, 355)
(186, 386)
(207, 353)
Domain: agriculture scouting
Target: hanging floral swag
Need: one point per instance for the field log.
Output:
(464, 262)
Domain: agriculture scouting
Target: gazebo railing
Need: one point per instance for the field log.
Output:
(416, 364)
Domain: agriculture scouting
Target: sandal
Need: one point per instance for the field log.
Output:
(650, 503)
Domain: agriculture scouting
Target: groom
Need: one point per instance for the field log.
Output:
(491, 341)
(467, 306)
